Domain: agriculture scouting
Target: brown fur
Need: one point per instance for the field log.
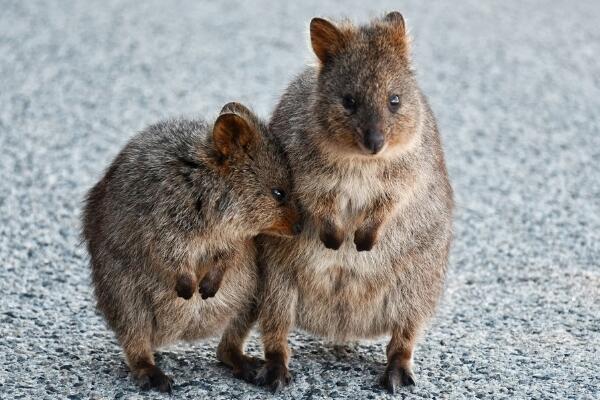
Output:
(178, 209)
(386, 208)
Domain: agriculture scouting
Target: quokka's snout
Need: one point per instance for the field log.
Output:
(373, 138)
(289, 222)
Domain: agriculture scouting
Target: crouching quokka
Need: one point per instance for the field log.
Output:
(177, 210)
(370, 176)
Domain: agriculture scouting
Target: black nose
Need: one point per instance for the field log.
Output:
(297, 228)
(374, 140)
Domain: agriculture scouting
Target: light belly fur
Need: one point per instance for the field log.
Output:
(343, 294)
(194, 319)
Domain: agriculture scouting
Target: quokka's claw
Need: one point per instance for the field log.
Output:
(274, 376)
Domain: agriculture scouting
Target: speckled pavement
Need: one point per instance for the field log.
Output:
(515, 87)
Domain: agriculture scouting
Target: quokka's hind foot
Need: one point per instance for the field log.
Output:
(149, 376)
(231, 348)
(156, 379)
(399, 351)
(141, 363)
(395, 377)
(247, 368)
(242, 366)
(275, 377)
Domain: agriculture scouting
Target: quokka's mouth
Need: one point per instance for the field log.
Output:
(284, 230)
(372, 152)
(271, 232)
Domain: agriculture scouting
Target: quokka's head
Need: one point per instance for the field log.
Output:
(258, 172)
(367, 96)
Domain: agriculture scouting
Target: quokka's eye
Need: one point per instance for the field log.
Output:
(394, 102)
(349, 103)
(279, 195)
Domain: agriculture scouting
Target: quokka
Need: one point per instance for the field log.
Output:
(370, 176)
(177, 209)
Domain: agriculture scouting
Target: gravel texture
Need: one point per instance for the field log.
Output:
(516, 89)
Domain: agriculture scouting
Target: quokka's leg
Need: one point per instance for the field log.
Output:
(139, 355)
(399, 358)
(231, 347)
(326, 213)
(276, 319)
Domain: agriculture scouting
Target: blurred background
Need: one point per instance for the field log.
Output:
(516, 89)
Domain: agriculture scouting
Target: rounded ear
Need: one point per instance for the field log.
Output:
(235, 107)
(397, 28)
(326, 38)
(397, 20)
(232, 134)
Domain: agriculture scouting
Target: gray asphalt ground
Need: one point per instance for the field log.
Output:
(516, 89)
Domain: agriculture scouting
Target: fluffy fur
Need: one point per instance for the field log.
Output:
(179, 205)
(372, 258)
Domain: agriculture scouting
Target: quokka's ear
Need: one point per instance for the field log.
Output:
(326, 39)
(235, 107)
(233, 134)
(396, 21)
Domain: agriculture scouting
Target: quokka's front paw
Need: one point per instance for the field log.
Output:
(208, 287)
(185, 286)
(332, 237)
(273, 375)
(211, 282)
(365, 239)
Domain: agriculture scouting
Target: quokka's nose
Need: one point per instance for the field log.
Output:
(297, 228)
(374, 141)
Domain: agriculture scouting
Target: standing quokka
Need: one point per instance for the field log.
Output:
(177, 204)
(370, 176)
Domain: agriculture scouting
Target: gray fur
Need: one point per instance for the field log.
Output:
(171, 210)
(345, 293)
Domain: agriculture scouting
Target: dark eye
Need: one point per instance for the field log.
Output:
(349, 103)
(394, 102)
(279, 195)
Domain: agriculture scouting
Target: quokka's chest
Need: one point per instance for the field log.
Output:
(348, 194)
(357, 192)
